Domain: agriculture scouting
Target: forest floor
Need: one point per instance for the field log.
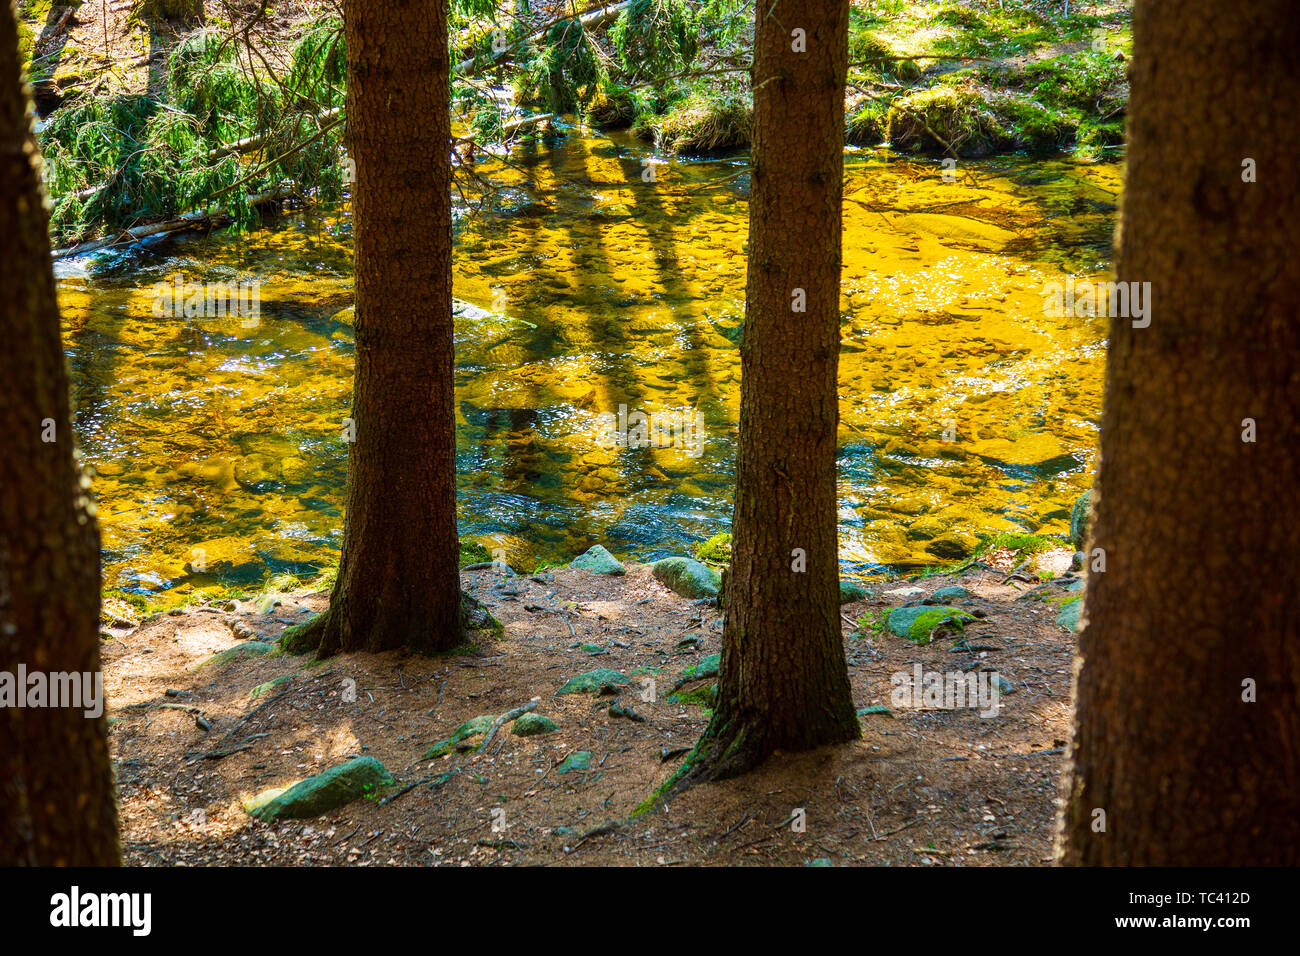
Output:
(922, 787)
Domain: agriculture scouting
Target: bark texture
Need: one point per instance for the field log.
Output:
(783, 683)
(56, 785)
(1197, 525)
(398, 583)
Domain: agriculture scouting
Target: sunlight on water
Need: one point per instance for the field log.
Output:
(965, 409)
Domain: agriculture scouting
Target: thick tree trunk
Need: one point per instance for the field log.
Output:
(1172, 762)
(56, 786)
(784, 684)
(398, 583)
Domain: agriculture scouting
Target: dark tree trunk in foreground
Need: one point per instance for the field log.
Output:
(784, 684)
(1198, 526)
(399, 582)
(56, 787)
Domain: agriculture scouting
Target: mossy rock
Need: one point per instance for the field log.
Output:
(475, 617)
(687, 577)
(330, 790)
(944, 118)
(268, 686)
(462, 738)
(599, 681)
(598, 560)
(945, 595)
(850, 592)
(1069, 615)
(918, 624)
(530, 725)
(579, 760)
(471, 552)
(706, 122)
(239, 652)
(1080, 519)
(706, 696)
(706, 667)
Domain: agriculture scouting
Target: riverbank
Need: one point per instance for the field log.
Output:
(207, 714)
(152, 118)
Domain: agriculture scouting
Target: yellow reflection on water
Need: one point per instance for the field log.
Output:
(593, 292)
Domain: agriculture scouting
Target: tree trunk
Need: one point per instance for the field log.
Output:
(784, 684)
(399, 583)
(56, 786)
(1173, 765)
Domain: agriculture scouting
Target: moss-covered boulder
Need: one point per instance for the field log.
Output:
(919, 624)
(1080, 516)
(687, 577)
(601, 680)
(598, 560)
(1068, 616)
(334, 788)
(530, 725)
(268, 686)
(850, 592)
(238, 653)
(462, 738)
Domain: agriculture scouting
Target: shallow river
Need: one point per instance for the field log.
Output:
(965, 409)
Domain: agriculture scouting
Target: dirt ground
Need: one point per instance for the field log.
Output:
(922, 787)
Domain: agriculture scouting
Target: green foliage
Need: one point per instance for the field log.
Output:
(706, 121)
(566, 70)
(655, 37)
(119, 160)
(716, 550)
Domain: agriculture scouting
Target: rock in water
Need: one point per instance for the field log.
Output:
(687, 577)
(330, 790)
(597, 560)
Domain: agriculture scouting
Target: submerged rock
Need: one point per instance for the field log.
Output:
(598, 560)
(687, 577)
(334, 788)
(952, 546)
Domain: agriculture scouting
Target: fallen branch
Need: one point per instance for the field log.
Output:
(508, 715)
(187, 221)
